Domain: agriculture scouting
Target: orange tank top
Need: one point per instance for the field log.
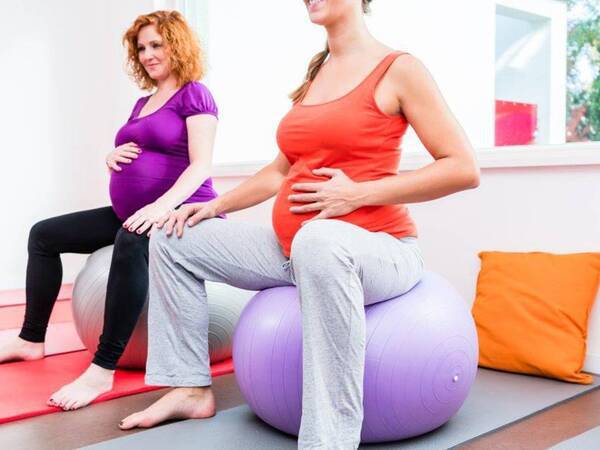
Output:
(349, 133)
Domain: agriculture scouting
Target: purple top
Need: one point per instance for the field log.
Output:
(162, 137)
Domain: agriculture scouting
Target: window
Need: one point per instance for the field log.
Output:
(583, 76)
(547, 78)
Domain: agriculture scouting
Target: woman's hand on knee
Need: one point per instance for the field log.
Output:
(144, 218)
(189, 215)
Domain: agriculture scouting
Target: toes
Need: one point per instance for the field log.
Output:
(62, 401)
(57, 399)
(68, 404)
(80, 403)
(131, 421)
(77, 404)
(77, 400)
(142, 419)
(148, 422)
(53, 400)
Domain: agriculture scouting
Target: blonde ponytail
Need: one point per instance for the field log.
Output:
(313, 68)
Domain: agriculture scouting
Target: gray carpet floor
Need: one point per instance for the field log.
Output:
(497, 399)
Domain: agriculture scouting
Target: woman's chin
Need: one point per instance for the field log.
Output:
(318, 19)
(158, 76)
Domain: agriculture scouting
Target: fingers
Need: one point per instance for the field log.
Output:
(121, 159)
(199, 216)
(144, 226)
(179, 225)
(316, 187)
(304, 198)
(137, 223)
(177, 220)
(135, 220)
(171, 223)
(156, 224)
(317, 206)
(327, 172)
(163, 220)
(113, 166)
(130, 154)
(132, 146)
(131, 219)
(322, 215)
(124, 154)
(307, 187)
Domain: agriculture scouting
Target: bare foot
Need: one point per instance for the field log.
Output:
(18, 349)
(180, 403)
(92, 383)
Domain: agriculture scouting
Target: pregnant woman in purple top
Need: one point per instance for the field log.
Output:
(162, 159)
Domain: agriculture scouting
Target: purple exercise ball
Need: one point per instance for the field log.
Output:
(421, 359)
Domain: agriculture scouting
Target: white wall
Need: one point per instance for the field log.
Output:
(64, 95)
(527, 209)
(251, 82)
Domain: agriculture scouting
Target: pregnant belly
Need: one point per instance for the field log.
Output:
(285, 223)
(143, 181)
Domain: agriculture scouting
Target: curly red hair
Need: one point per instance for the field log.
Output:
(182, 45)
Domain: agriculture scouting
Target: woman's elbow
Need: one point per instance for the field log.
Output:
(471, 170)
(467, 173)
(472, 177)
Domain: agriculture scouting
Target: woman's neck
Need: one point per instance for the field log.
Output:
(349, 36)
(167, 85)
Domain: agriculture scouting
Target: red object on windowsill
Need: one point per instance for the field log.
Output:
(516, 123)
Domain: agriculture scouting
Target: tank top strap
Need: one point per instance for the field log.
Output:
(375, 77)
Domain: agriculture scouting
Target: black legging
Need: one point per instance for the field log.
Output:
(86, 232)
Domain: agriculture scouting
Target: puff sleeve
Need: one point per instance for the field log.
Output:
(197, 99)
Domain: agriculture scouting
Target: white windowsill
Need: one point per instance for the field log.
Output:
(579, 154)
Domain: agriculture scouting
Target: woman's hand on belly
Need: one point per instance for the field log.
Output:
(333, 198)
(147, 216)
(122, 154)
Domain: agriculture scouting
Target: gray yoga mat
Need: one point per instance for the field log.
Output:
(496, 400)
(588, 440)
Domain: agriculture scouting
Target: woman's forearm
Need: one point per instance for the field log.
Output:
(188, 182)
(443, 177)
(253, 191)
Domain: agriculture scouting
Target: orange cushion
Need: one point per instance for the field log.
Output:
(532, 312)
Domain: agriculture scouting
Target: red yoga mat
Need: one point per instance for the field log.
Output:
(25, 386)
(60, 338)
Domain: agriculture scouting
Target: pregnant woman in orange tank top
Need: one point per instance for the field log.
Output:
(341, 232)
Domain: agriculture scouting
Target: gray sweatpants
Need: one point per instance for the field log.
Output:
(337, 267)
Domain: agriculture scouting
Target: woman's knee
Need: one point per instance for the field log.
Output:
(162, 244)
(317, 245)
(127, 242)
(159, 243)
(196, 241)
(41, 235)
